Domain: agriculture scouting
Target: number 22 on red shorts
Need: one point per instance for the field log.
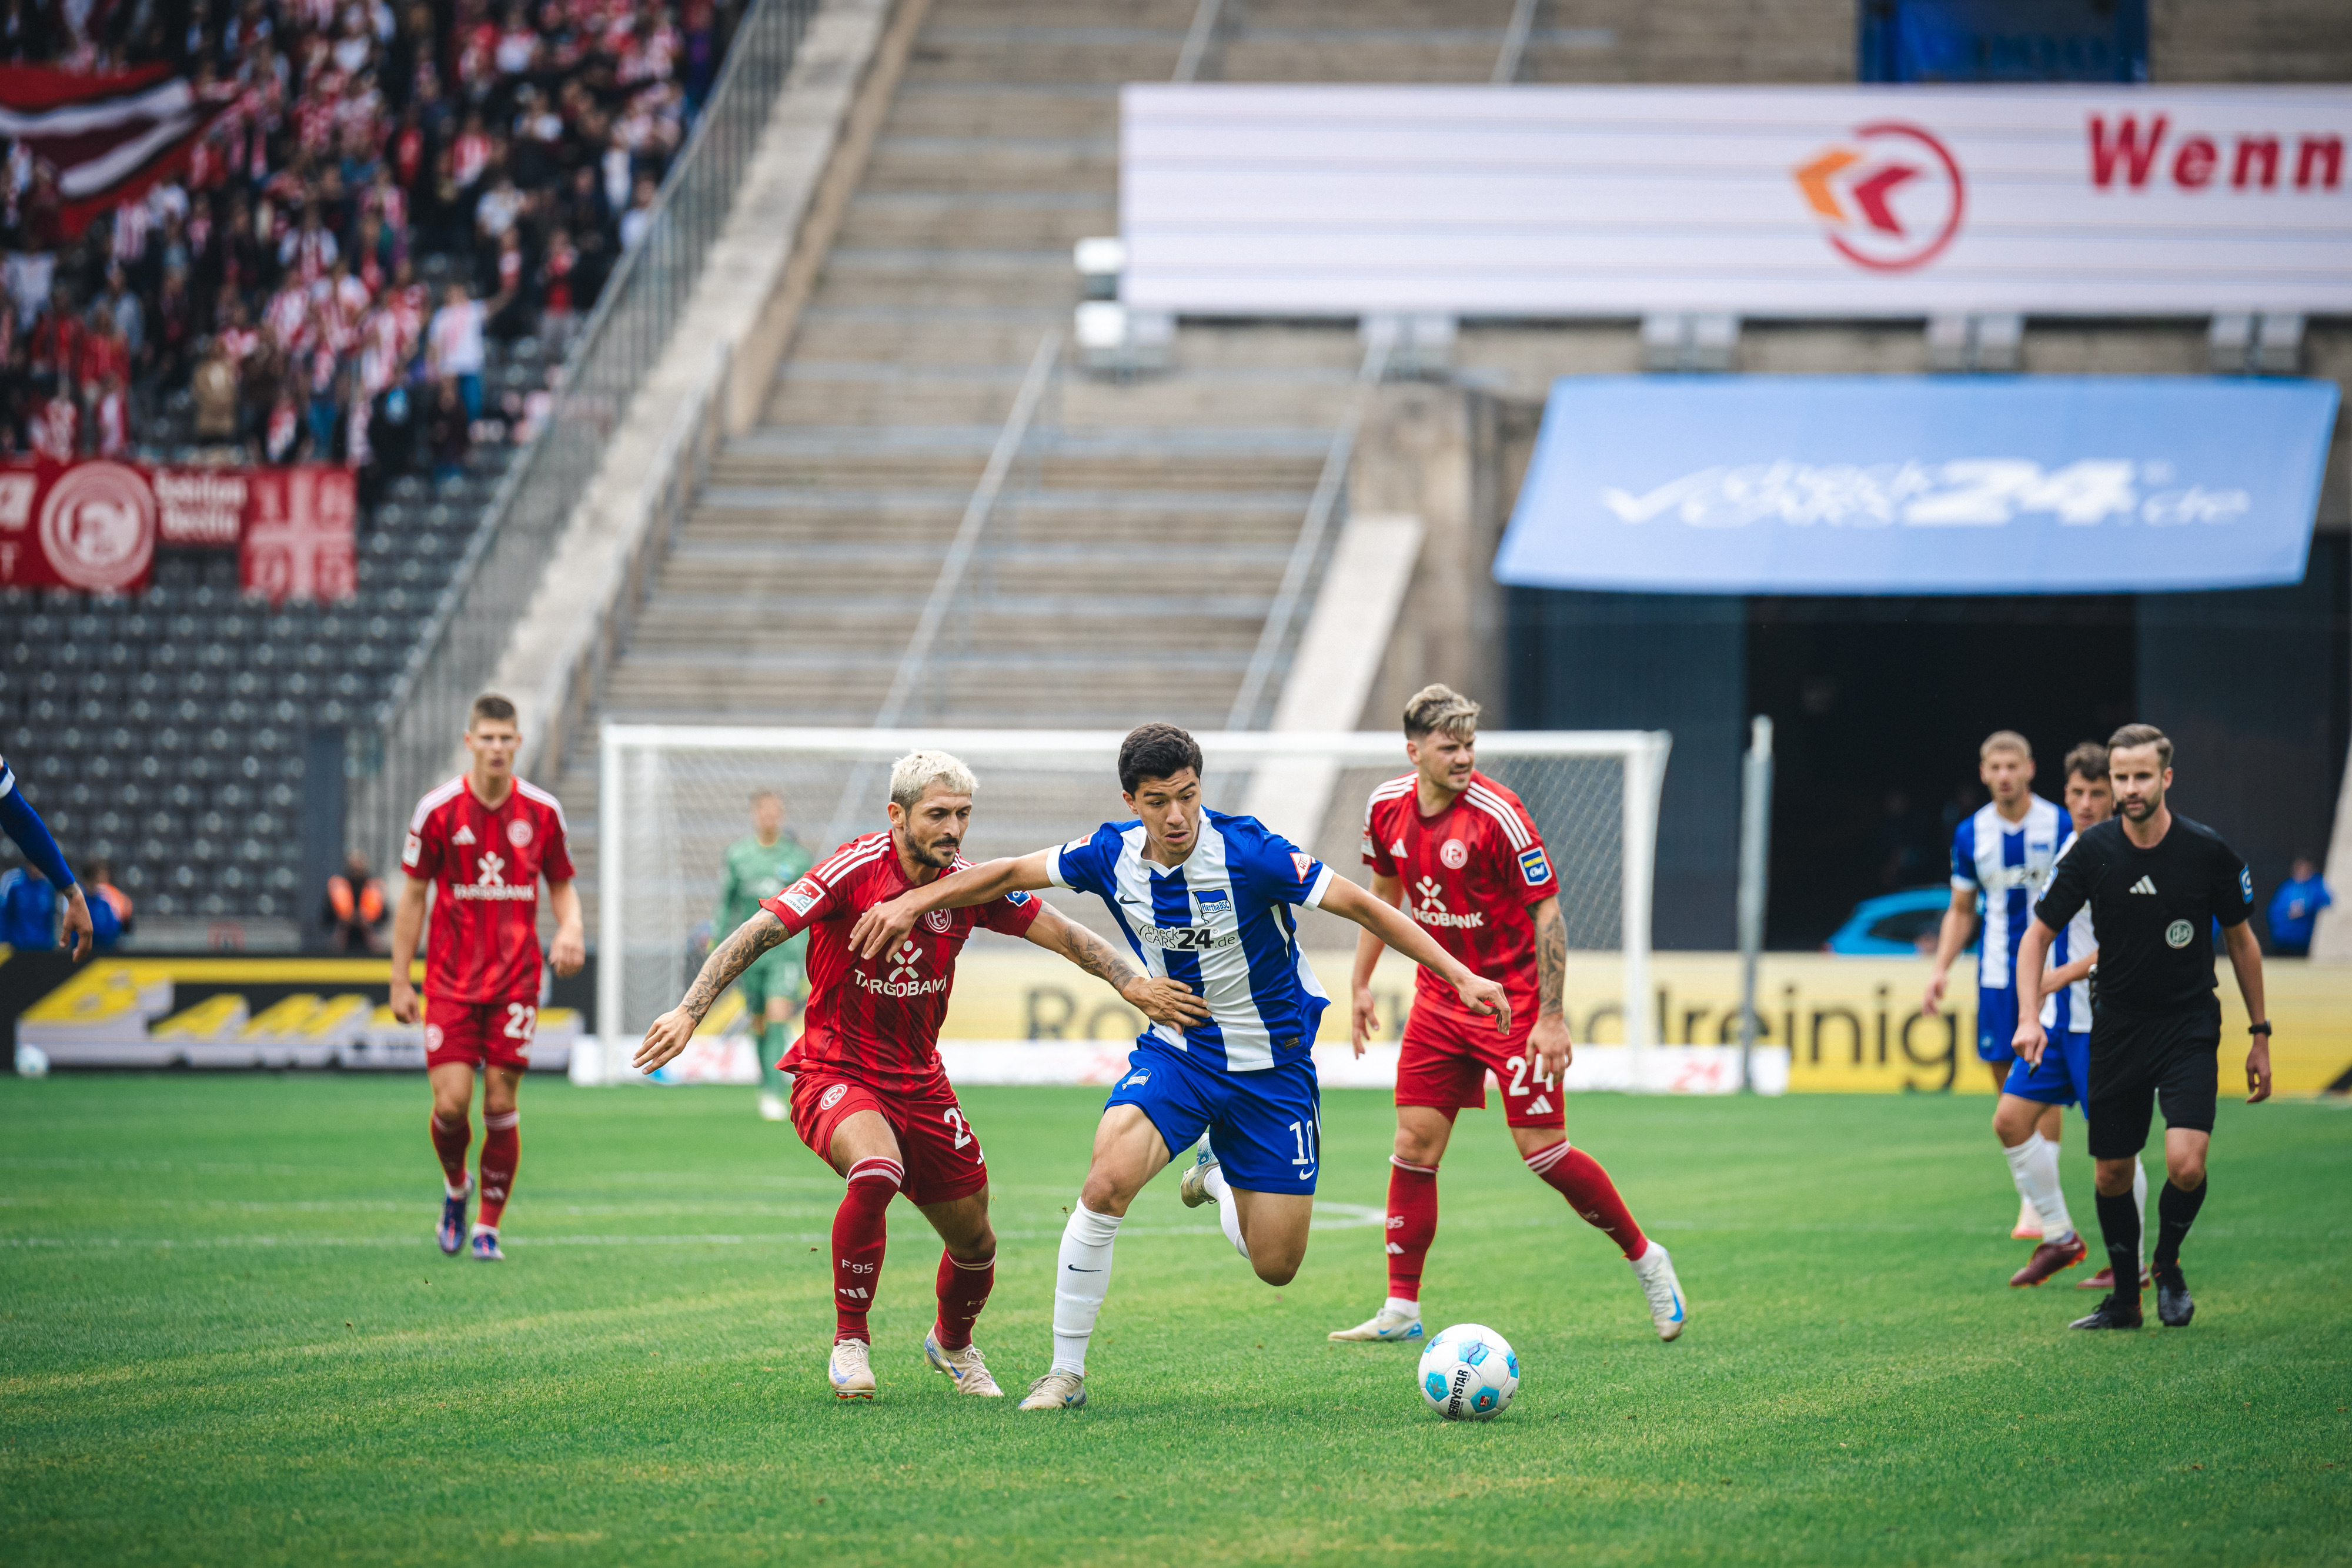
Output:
(941, 1151)
(497, 1033)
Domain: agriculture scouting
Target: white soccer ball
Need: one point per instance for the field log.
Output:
(1469, 1372)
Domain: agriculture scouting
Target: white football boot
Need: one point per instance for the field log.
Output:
(1392, 1324)
(1655, 1271)
(772, 1108)
(963, 1367)
(1056, 1391)
(851, 1370)
(1192, 1186)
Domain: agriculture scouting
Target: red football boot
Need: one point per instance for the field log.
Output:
(2049, 1258)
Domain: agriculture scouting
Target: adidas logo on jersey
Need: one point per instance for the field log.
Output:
(1397, 848)
(2143, 885)
(464, 835)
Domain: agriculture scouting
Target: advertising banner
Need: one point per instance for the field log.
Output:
(96, 526)
(1920, 484)
(162, 1010)
(1824, 1024)
(1759, 201)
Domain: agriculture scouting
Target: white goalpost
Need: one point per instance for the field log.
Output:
(673, 797)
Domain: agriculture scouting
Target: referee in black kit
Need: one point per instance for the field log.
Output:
(2154, 881)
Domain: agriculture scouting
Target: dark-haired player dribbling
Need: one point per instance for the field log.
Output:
(1205, 900)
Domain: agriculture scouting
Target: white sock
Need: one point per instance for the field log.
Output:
(1399, 1304)
(1081, 1279)
(1229, 1216)
(1215, 1185)
(456, 1191)
(2034, 1165)
(2139, 1201)
(486, 1229)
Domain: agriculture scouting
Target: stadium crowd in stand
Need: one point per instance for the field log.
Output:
(374, 258)
(392, 186)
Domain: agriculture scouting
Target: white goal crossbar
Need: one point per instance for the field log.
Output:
(672, 796)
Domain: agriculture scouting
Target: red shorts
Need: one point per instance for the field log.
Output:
(497, 1033)
(1446, 1059)
(940, 1150)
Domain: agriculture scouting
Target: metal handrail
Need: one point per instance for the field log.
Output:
(1197, 39)
(405, 752)
(1515, 43)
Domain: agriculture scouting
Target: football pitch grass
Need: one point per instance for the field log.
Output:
(229, 1339)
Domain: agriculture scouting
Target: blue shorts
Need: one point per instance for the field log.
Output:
(2062, 1078)
(1996, 1024)
(1263, 1125)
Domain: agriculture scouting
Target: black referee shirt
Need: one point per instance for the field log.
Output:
(2150, 909)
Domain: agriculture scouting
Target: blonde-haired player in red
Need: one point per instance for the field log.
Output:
(870, 1097)
(1459, 854)
(482, 841)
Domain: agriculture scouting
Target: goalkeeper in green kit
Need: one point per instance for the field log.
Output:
(758, 867)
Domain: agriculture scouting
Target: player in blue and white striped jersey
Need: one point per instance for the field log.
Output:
(2001, 857)
(1203, 899)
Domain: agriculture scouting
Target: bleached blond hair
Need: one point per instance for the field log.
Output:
(912, 775)
(1437, 708)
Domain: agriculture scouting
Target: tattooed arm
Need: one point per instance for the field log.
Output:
(1549, 1040)
(1162, 1001)
(672, 1031)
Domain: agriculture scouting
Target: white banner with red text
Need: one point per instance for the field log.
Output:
(1768, 202)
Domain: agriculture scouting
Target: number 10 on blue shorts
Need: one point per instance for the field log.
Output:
(1263, 1125)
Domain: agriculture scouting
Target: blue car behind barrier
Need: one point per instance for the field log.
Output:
(1893, 926)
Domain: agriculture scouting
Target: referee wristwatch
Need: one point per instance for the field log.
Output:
(2262, 1028)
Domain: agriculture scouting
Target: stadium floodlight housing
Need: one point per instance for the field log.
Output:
(673, 797)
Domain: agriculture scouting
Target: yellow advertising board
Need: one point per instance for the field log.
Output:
(1854, 1025)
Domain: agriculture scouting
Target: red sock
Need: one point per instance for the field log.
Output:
(858, 1237)
(962, 1290)
(501, 1151)
(450, 1141)
(1591, 1192)
(1413, 1225)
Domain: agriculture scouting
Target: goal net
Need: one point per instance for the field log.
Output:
(672, 798)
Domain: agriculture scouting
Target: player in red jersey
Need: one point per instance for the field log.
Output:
(1459, 854)
(869, 1094)
(482, 841)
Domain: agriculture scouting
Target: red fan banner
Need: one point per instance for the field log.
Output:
(96, 527)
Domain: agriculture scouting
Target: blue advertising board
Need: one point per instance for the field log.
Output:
(1920, 484)
(2002, 40)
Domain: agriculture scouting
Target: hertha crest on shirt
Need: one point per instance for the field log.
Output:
(1534, 866)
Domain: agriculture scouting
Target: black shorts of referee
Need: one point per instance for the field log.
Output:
(2141, 1063)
